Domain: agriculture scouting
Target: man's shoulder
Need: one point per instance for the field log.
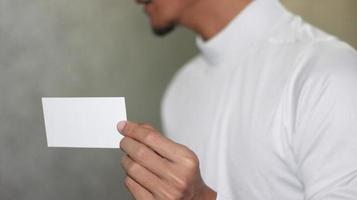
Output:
(315, 53)
(326, 68)
(332, 59)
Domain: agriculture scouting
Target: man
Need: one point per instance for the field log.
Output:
(266, 111)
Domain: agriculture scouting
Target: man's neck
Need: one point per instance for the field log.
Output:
(209, 17)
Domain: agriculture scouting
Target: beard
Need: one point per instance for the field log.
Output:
(165, 30)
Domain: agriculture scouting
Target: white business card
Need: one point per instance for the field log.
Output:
(83, 122)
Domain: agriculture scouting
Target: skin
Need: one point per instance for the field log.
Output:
(205, 17)
(158, 168)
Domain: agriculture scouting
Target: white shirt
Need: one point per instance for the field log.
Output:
(270, 108)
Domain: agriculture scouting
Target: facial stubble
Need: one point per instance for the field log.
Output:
(165, 30)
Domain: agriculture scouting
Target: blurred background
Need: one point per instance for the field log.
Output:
(71, 48)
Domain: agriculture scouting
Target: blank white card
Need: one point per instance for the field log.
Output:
(83, 122)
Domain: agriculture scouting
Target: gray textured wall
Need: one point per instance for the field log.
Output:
(74, 48)
(92, 48)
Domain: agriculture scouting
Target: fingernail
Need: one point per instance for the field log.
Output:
(121, 126)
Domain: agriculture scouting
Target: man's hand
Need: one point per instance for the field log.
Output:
(158, 168)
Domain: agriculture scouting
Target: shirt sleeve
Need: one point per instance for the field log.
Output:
(325, 136)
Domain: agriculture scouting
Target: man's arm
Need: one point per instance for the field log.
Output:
(325, 136)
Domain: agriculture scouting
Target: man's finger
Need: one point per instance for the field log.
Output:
(142, 176)
(138, 192)
(145, 156)
(163, 146)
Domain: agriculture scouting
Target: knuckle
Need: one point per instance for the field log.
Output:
(191, 164)
(123, 142)
(150, 137)
(132, 168)
(190, 159)
(141, 153)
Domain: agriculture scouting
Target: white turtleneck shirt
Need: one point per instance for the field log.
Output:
(270, 108)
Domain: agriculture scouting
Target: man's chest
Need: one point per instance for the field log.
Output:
(237, 107)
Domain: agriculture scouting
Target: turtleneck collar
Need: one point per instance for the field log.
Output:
(247, 28)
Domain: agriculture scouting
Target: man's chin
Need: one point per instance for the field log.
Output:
(163, 31)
